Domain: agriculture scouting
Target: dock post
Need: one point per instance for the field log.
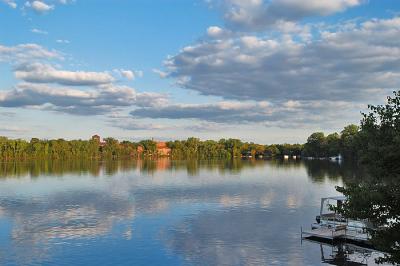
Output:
(301, 238)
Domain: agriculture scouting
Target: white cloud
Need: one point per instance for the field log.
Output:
(261, 14)
(62, 41)
(39, 6)
(37, 31)
(12, 130)
(7, 114)
(99, 100)
(286, 114)
(351, 64)
(44, 6)
(34, 65)
(217, 32)
(65, 2)
(206, 127)
(27, 52)
(44, 73)
(129, 74)
(151, 99)
(11, 3)
(160, 73)
(214, 31)
(133, 125)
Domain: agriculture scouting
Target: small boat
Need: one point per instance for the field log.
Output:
(332, 226)
(336, 158)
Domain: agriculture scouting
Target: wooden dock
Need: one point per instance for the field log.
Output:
(340, 233)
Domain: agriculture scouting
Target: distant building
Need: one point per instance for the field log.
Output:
(162, 149)
(247, 154)
(97, 139)
(140, 149)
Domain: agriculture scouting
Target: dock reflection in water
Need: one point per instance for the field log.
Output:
(161, 212)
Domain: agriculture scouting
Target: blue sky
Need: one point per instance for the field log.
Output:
(264, 71)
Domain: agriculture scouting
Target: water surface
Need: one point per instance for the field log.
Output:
(165, 212)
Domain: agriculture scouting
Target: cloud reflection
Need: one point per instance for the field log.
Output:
(39, 223)
(229, 213)
(236, 237)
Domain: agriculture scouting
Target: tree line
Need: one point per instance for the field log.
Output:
(192, 148)
(317, 145)
(228, 148)
(346, 144)
(19, 149)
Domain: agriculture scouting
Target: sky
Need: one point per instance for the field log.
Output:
(267, 71)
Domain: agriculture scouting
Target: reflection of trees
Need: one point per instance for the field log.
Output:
(147, 166)
(346, 254)
(321, 170)
(317, 170)
(111, 167)
(292, 164)
(192, 167)
(49, 167)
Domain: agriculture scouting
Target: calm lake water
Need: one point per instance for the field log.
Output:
(165, 212)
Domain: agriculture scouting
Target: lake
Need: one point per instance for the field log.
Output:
(241, 212)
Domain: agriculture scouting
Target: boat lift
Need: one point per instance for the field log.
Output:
(331, 226)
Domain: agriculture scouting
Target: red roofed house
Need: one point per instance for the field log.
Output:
(140, 149)
(96, 138)
(162, 149)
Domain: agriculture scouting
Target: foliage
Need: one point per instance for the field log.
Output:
(110, 148)
(149, 146)
(316, 145)
(377, 197)
(228, 149)
(349, 142)
(380, 134)
(62, 149)
(346, 143)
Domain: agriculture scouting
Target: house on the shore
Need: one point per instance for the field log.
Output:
(97, 139)
(163, 149)
(247, 154)
(140, 149)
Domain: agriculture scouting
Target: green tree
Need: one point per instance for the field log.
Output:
(272, 150)
(349, 141)
(150, 147)
(234, 147)
(333, 144)
(377, 197)
(316, 145)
